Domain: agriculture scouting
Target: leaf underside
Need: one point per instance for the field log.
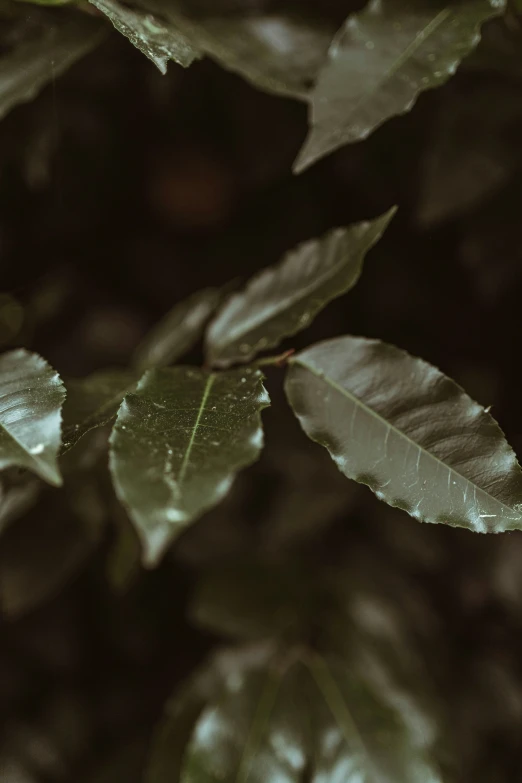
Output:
(381, 60)
(178, 443)
(398, 425)
(156, 39)
(284, 299)
(268, 719)
(46, 50)
(31, 398)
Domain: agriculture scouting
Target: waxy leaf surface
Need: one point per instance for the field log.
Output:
(31, 399)
(399, 425)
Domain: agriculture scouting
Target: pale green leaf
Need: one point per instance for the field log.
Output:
(382, 59)
(31, 399)
(178, 331)
(93, 401)
(397, 424)
(47, 49)
(278, 53)
(291, 717)
(160, 41)
(178, 443)
(282, 300)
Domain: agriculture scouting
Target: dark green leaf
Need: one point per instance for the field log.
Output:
(411, 434)
(178, 331)
(45, 549)
(158, 40)
(48, 48)
(270, 717)
(177, 444)
(382, 59)
(31, 398)
(280, 54)
(92, 402)
(284, 299)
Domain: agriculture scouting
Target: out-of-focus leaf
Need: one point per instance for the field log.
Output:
(278, 53)
(158, 40)
(284, 299)
(499, 50)
(31, 399)
(54, 44)
(273, 716)
(17, 495)
(411, 434)
(178, 331)
(124, 557)
(93, 401)
(253, 600)
(178, 443)
(45, 549)
(381, 60)
(473, 151)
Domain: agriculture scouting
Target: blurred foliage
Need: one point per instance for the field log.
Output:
(122, 193)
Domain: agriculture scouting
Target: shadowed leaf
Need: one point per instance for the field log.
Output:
(177, 332)
(92, 402)
(411, 434)
(47, 49)
(177, 444)
(284, 299)
(381, 60)
(31, 398)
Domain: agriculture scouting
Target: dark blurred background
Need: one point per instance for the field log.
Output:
(122, 192)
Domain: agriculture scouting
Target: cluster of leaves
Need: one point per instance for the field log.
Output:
(294, 702)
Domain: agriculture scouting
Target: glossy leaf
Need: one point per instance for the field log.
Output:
(177, 444)
(282, 300)
(278, 53)
(381, 60)
(31, 398)
(178, 331)
(47, 49)
(158, 40)
(93, 401)
(397, 424)
(273, 717)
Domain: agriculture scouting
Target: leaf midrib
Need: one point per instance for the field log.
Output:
(186, 456)
(356, 401)
(419, 39)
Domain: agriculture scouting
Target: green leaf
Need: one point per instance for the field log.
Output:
(411, 434)
(177, 444)
(31, 398)
(92, 402)
(178, 331)
(293, 718)
(282, 300)
(46, 50)
(278, 53)
(381, 60)
(158, 40)
(43, 552)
